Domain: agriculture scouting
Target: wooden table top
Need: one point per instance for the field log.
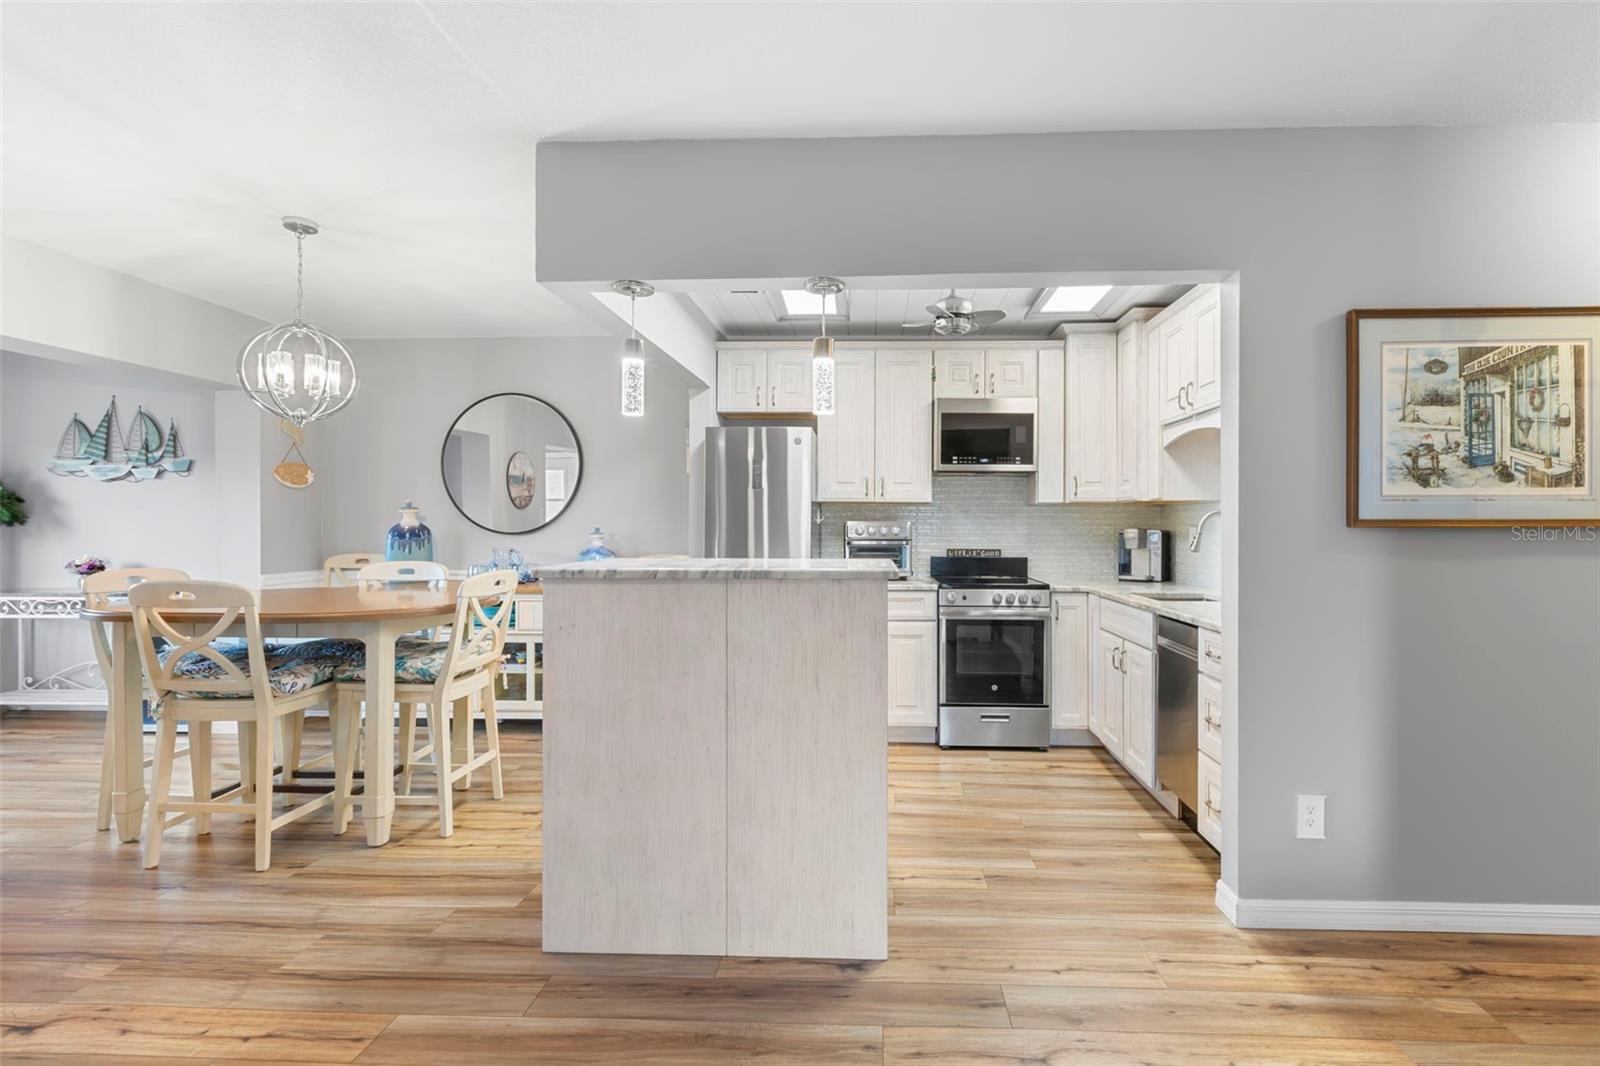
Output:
(315, 605)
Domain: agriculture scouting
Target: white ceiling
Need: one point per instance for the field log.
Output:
(883, 312)
(165, 140)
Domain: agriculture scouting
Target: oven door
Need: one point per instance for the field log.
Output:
(986, 435)
(994, 657)
(897, 552)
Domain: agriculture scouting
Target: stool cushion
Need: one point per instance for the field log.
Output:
(291, 668)
(417, 660)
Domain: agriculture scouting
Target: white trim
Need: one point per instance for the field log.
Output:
(1408, 915)
(292, 579)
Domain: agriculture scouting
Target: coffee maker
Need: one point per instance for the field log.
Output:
(1142, 555)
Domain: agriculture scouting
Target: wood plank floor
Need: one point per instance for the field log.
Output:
(1043, 910)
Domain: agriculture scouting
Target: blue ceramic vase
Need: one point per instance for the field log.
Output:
(409, 540)
(597, 547)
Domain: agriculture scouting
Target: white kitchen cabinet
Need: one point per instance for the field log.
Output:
(741, 380)
(1011, 372)
(965, 373)
(1189, 342)
(789, 382)
(845, 439)
(1208, 819)
(903, 426)
(1130, 396)
(1211, 653)
(1105, 713)
(958, 372)
(519, 685)
(1210, 717)
(913, 669)
(1069, 661)
(1139, 713)
(1091, 417)
(1050, 458)
(764, 380)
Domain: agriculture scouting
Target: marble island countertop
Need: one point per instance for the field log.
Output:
(687, 569)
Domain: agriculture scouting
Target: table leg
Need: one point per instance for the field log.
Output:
(377, 792)
(124, 692)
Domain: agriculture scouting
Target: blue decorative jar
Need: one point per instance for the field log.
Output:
(409, 540)
(597, 547)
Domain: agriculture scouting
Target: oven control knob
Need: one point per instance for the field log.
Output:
(855, 530)
(949, 597)
(894, 530)
(1011, 597)
(997, 598)
(1035, 597)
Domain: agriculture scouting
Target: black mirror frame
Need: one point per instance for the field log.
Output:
(577, 443)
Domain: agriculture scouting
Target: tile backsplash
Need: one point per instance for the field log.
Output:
(1061, 541)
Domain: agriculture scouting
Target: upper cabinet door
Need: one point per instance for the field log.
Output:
(1050, 458)
(789, 381)
(1091, 416)
(1130, 397)
(1206, 391)
(845, 438)
(1175, 342)
(904, 429)
(742, 381)
(958, 373)
(1011, 372)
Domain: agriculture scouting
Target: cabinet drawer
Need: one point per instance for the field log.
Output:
(1210, 724)
(1211, 653)
(1208, 819)
(911, 606)
(1129, 623)
(528, 615)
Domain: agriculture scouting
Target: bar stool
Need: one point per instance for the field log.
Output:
(449, 676)
(198, 683)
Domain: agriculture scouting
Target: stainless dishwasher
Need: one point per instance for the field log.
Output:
(1177, 710)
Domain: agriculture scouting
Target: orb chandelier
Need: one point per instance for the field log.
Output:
(822, 402)
(633, 349)
(295, 371)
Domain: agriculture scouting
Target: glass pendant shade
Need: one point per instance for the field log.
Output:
(294, 370)
(633, 377)
(822, 376)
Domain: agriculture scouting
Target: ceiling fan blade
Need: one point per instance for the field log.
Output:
(936, 310)
(915, 325)
(984, 318)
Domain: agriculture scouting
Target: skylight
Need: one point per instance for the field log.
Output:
(1069, 299)
(799, 303)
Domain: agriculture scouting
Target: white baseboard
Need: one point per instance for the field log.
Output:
(1408, 916)
(292, 579)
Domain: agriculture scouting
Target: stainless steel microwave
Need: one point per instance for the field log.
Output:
(998, 436)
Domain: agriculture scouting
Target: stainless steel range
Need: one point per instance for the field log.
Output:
(994, 653)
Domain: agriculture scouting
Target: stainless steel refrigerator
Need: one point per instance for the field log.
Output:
(759, 486)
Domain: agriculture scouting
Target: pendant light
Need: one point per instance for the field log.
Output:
(822, 402)
(295, 371)
(633, 349)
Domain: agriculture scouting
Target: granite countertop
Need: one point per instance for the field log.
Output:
(913, 584)
(718, 570)
(1205, 613)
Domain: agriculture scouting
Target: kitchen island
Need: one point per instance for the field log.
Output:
(715, 758)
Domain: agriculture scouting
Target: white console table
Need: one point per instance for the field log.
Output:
(77, 686)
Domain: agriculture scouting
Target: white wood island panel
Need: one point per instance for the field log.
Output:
(715, 758)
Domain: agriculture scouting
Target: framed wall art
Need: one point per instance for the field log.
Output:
(1471, 416)
(519, 480)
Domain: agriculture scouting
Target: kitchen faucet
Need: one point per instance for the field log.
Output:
(1194, 537)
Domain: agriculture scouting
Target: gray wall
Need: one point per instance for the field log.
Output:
(384, 448)
(1438, 685)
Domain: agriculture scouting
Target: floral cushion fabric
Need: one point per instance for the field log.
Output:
(417, 660)
(291, 668)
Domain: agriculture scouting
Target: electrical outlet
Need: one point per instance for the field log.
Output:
(1308, 817)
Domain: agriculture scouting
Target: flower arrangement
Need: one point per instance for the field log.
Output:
(84, 565)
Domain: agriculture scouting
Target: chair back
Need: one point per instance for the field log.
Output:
(161, 607)
(483, 614)
(340, 571)
(110, 582)
(432, 574)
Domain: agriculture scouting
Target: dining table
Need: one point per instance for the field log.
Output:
(375, 615)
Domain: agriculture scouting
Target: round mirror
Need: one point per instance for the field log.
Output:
(511, 463)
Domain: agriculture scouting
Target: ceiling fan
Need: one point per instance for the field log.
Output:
(953, 316)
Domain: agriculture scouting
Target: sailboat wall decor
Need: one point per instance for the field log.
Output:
(106, 455)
